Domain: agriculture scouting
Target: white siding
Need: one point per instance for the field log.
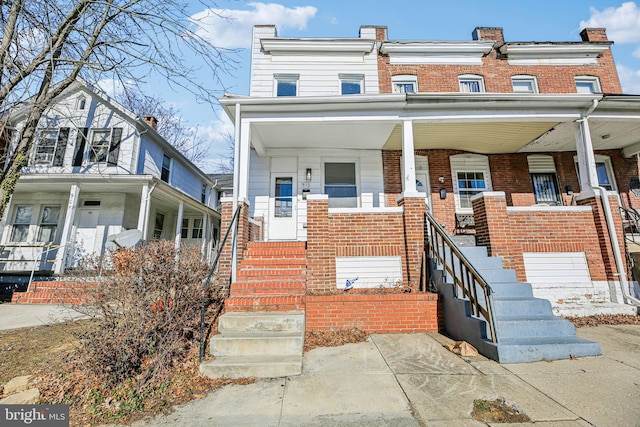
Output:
(553, 269)
(318, 71)
(371, 272)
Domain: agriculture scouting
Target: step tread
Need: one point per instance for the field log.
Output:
(556, 340)
(253, 360)
(230, 335)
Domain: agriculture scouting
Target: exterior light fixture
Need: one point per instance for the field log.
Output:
(308, 174)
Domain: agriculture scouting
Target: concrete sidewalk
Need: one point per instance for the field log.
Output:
(14, 316)
(411, 380)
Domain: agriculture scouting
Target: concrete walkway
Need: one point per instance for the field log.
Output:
(14, 316)
(411, 380)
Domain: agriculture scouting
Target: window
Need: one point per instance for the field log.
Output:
(48, 224)
(286, 84)
(105, 145)
(81, 103)
(340, 184)
(404, 84)
(471, 83)
(50, 146)
(351, 84)
(587, 84)
(196, 231)
(470, 173)
(158, 226)
(524, 84)
(166, 168)
(21, 221)
(184, 231)
(542, 170)
(203, 193)
(283, 197)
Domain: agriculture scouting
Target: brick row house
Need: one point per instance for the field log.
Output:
(97, 170)
(344, 145)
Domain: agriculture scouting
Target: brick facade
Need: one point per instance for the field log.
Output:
(497, 72)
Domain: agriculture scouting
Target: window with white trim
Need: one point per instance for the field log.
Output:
(587, 84)
(604, 170)
(196, 231)
(351, 84)
(404, 84)
(286, 84)
(166, 168)
(471, 83)
(158, 226)
(340, 184)
(104, 145)
(50, 146)
(48, 224)
(81, 103)
(470, 173)
(21, 223)
(524, 84)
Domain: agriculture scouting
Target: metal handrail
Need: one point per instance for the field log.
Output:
(234, 222)
(633, 219)
(465, 277)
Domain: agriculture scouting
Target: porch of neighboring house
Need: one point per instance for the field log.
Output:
(53, 224)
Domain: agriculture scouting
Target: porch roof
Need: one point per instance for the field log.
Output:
(487, 123)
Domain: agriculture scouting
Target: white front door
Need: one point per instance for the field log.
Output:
(422, 185)
(282, 207)
(86, 229)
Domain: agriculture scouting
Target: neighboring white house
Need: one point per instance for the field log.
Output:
(94, 171)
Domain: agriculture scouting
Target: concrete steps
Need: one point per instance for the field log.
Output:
(261, 345)
(526, 329)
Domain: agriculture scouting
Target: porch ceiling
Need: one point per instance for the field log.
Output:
(486, 138)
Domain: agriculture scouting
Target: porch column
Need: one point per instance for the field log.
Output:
(179, 224)
(205, 236)
(408, 159)
(241, 195)
(67, 228)
(143, 213)
(586, 159)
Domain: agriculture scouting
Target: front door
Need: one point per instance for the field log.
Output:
(422, 185)
(282, 207)
(85, 240)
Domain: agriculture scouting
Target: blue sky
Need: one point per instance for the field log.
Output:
(540, 20)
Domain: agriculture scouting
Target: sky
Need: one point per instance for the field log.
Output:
(230, 24)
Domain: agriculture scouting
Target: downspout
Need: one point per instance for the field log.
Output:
(611, 229)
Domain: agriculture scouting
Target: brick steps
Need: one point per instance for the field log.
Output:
(271, 277)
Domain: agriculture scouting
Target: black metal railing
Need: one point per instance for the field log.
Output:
(631, 224)
(467, 280)
(203, 308)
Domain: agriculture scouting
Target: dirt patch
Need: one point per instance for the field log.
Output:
(604, 319)
(497, 411)
(314, 339)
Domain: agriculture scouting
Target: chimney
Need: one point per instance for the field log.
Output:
(378, 32)
(488, 33)
(151, 121)
(594, 35)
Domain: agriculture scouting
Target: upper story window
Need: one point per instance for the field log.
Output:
(351, 84)
(166, 168)
(286, 84)
(105, 145)
(405, 84)
(471, 83)
(50, 146)
(81, 103)
(524, 84)
(203, 194)
(587, 84)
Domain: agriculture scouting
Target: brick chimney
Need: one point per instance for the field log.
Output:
(379, 32)
(594, 35)
(488, 33)
(151, 121)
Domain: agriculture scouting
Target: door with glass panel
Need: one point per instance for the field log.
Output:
(282, 207)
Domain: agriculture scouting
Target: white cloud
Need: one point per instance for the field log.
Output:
(231, 28)
(622, 23)
(636, 52)
(216, 135)
(112, 87)
(629, 79)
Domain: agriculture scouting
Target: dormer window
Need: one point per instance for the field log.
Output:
(405, 84)
(351, 84)
(587, 84)
(471, 83)
(286, 84)
(81, 103)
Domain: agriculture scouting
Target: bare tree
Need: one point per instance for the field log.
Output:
(47, 44)
(170, 125)
(225, 165)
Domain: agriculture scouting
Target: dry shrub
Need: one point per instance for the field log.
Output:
(148, 314)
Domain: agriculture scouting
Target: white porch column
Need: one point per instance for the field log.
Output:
(145, 211)
(179, 224)
(586, 159)
(205, 236)
(67, 228)
(243, 167)
(408, 159)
